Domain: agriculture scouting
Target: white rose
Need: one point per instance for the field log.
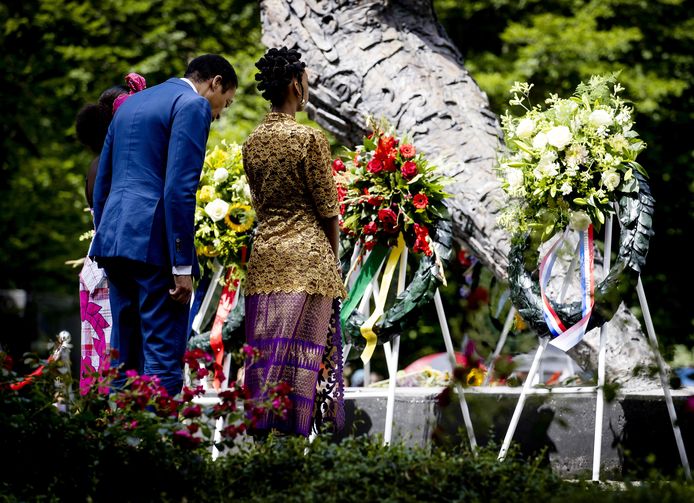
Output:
(217, 209)
(525, 128)
(540, 141)
(599, 118)
(579, 221)
(220, 174)
(514, 177)
(559, 137)
(610, 179)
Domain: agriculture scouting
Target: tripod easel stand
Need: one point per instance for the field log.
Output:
(599, 389)
(392, 351)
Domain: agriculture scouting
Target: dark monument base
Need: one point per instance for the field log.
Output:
(636, 437)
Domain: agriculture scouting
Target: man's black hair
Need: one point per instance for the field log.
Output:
(208, 66)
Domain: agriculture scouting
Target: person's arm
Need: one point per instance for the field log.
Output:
(322, 186)
(189, 131)
(332, 230)
(90, 180)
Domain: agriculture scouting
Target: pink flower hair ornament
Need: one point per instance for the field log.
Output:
(136, 83)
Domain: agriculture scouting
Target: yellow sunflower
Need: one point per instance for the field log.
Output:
(208, 251)
(241, 212)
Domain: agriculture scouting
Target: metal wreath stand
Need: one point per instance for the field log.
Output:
(420, 291)
(634, 213)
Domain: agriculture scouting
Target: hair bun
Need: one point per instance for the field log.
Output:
(277, 68)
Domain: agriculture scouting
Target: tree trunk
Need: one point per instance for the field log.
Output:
(392, 59)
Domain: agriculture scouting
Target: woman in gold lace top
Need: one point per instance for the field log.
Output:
(293, 281)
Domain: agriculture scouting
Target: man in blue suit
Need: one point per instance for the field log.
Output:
(144, 206)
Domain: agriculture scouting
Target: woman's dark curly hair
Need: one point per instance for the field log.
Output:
(92, 121)
(277, 69)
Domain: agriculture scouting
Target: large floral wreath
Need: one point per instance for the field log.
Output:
(223, 217)
(570, 164)
(387, 189)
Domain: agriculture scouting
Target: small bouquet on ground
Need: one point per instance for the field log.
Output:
(567, 163)
(386, 188)
(224, 217)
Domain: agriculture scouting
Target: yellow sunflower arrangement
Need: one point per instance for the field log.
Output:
(224, 217)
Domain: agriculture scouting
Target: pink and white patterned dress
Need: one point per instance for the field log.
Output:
(95, 313)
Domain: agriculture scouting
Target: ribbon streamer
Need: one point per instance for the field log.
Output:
(563, 338)
(226, 304)
(367, 328)
(366, 274)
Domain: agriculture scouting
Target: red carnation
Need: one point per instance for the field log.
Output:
(407, 151)
(409, 170)
(421, 231)
(370, 228)
(389, 219)
(338, 166)
(420, 201)
(421, 245)
(375, 166)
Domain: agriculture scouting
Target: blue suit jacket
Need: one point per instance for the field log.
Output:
(144, 194)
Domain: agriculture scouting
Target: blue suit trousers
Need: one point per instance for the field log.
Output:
(149, 328)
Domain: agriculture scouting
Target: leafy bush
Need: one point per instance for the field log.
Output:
(95, 453)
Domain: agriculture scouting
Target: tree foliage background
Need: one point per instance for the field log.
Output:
(58, 55)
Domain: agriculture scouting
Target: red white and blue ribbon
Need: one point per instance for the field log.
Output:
(562, 337)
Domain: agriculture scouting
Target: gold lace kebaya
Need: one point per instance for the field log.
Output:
(288, 166)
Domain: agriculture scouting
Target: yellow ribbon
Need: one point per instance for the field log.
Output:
(367, 328)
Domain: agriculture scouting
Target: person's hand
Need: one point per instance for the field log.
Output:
(183, 289)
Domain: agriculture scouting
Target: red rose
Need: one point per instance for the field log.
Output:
(369, 245)
(420, 201)
(389, 219)
(407, 151)
(375, 166)
(409, 170)
(370, 228)
(338, 166)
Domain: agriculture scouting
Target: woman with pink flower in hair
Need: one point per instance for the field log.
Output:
(91, 125)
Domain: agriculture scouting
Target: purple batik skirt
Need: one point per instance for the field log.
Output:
(298, 336)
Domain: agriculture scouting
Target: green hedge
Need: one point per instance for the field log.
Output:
(120, 447)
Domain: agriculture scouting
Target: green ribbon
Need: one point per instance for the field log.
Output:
(366, 274)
